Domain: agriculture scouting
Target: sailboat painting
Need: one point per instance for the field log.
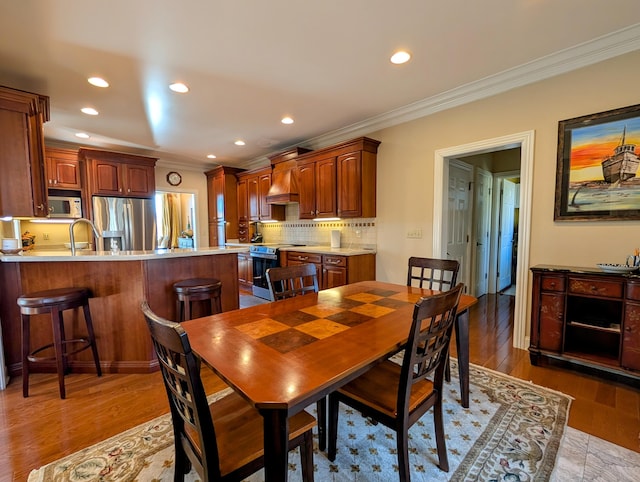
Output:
(598, 174)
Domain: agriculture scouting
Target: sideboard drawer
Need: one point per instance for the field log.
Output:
(552, 283)
(633, 290)
(591, 287)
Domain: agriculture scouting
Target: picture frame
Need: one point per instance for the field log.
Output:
(597, 176)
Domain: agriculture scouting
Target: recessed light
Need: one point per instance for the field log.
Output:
(400, 57)
(239, 142)
(82, 135)
(179, 87)
(89, 111)
(211, 156)
(287, 120)
(98, 82)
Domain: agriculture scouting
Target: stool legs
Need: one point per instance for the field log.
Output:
(25, 354)
(60, 349)
(92, 338)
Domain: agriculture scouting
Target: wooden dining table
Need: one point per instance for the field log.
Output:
(285, 355)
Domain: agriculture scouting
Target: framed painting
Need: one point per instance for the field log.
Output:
(597, 175)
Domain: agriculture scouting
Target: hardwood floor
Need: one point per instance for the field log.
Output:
(43, 428)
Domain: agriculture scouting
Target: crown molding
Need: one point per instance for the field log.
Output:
(582, 55)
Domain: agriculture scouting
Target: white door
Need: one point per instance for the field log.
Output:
(458, 218)
(482, 237)
(505, 236)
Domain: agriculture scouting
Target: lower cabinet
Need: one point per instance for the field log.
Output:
(335, 270)
(245, 270)
(586, 319)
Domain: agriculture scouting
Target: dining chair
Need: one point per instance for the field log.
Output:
(294, 280)
(287, 282)
(398, 395)
(436, 274)
(223, 440)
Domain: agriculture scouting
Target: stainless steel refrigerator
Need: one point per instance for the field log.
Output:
(130, 222)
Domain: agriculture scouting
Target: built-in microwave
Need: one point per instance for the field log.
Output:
(65, 207)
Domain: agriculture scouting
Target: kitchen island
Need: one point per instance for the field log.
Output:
(119, 283)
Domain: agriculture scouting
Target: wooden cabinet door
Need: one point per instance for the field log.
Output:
(107, 177)
(349, 189)
(307, 190)
(333, 276)
(63, 169)
(551, 321)
(243, 208)
(245, 269)
(253, 198)
(264, 183)
(630, 357)
(213, 234)
(139, 180)
(22, 183)
(326, 188)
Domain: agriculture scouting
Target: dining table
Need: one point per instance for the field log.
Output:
(285, 355)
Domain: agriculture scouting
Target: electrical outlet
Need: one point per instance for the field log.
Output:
(358, 233)
(45, 236)
(414, 233)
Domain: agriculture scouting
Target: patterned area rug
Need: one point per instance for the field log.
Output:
(511, 432)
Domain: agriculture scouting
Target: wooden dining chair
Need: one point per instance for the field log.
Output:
(223, 440)
(398, 395)
(434, 274)
(290, 281)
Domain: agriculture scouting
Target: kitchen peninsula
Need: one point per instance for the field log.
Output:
(119, 283)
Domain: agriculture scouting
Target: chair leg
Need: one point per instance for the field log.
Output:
(58, 329)
(179, 315)
(333, 426)
(447, 370)
(92, 337)
(306, 456)
(321, 408)
(25, 355)
(402, 441)
(441, 443)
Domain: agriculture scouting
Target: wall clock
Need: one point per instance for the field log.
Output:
(174, 178)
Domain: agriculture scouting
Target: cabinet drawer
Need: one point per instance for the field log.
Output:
(304, 257)
(553, 283)
(593, 287)
(633, 290)
(335, 261)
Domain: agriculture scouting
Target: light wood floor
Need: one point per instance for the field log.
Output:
(43, 428)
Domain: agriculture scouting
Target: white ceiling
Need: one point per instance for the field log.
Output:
(250, 62)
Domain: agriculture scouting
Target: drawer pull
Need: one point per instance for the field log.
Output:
(332, 261)
(303, 258)
(593, 288)
(553, 284)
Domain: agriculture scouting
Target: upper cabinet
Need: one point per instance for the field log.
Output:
(63, 169)
(254, 206)
(118, 174)
(23, 190)
(222, 204)
(339, 181)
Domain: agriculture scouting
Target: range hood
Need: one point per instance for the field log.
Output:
(284, 184)
(284, 177)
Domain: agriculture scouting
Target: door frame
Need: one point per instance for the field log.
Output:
(524, 140)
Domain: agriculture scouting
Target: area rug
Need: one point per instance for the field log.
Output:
(511, 432)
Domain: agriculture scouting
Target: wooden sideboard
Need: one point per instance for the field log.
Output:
(586, 319)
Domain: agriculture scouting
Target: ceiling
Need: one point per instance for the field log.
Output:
(248, 63)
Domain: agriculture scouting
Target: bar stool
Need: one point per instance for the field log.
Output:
(197, 289)
(54, 302)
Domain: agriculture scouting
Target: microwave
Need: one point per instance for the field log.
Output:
(65, 207)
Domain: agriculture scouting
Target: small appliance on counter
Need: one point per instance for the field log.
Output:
(335, 238)
(257, 235)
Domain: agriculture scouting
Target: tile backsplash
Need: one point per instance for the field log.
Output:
(354, 233)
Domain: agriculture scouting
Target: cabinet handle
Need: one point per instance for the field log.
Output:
(120, 190)
(40, 207)
(628, 329)
(593, 288)
(128, 190)
(311, 213)
(303, 258)
(55, 181)
(553, 284)
(332, 261)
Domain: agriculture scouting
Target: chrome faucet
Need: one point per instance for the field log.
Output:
(72, 237)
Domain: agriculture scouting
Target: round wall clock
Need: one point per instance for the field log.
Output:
(174, 178)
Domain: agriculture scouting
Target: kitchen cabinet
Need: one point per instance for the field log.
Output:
(222, 204)
(585, 318)
(23, 190)
(63, 169)
(245, 270)
(334, 270)
(317, 184)
(339, 181)
(118, 174)
(256, 184)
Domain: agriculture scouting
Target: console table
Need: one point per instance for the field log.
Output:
(587, 319)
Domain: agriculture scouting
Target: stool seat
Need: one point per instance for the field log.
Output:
(197, 289)
(54, 302)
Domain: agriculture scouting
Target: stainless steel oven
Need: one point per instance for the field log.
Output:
(264, 257)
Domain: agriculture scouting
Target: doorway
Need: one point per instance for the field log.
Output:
(525, 142)
(176, 220)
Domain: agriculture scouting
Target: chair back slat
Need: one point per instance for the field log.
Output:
(428, 343)
(187, 398)
(289, 281)
(432, 273)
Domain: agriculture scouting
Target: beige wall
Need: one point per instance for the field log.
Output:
(406, 164)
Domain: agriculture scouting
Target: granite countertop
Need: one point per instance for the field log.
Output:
(309, 249)
(88, 255)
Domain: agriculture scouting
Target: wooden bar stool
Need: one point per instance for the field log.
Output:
(54, 302)
(197, 289)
